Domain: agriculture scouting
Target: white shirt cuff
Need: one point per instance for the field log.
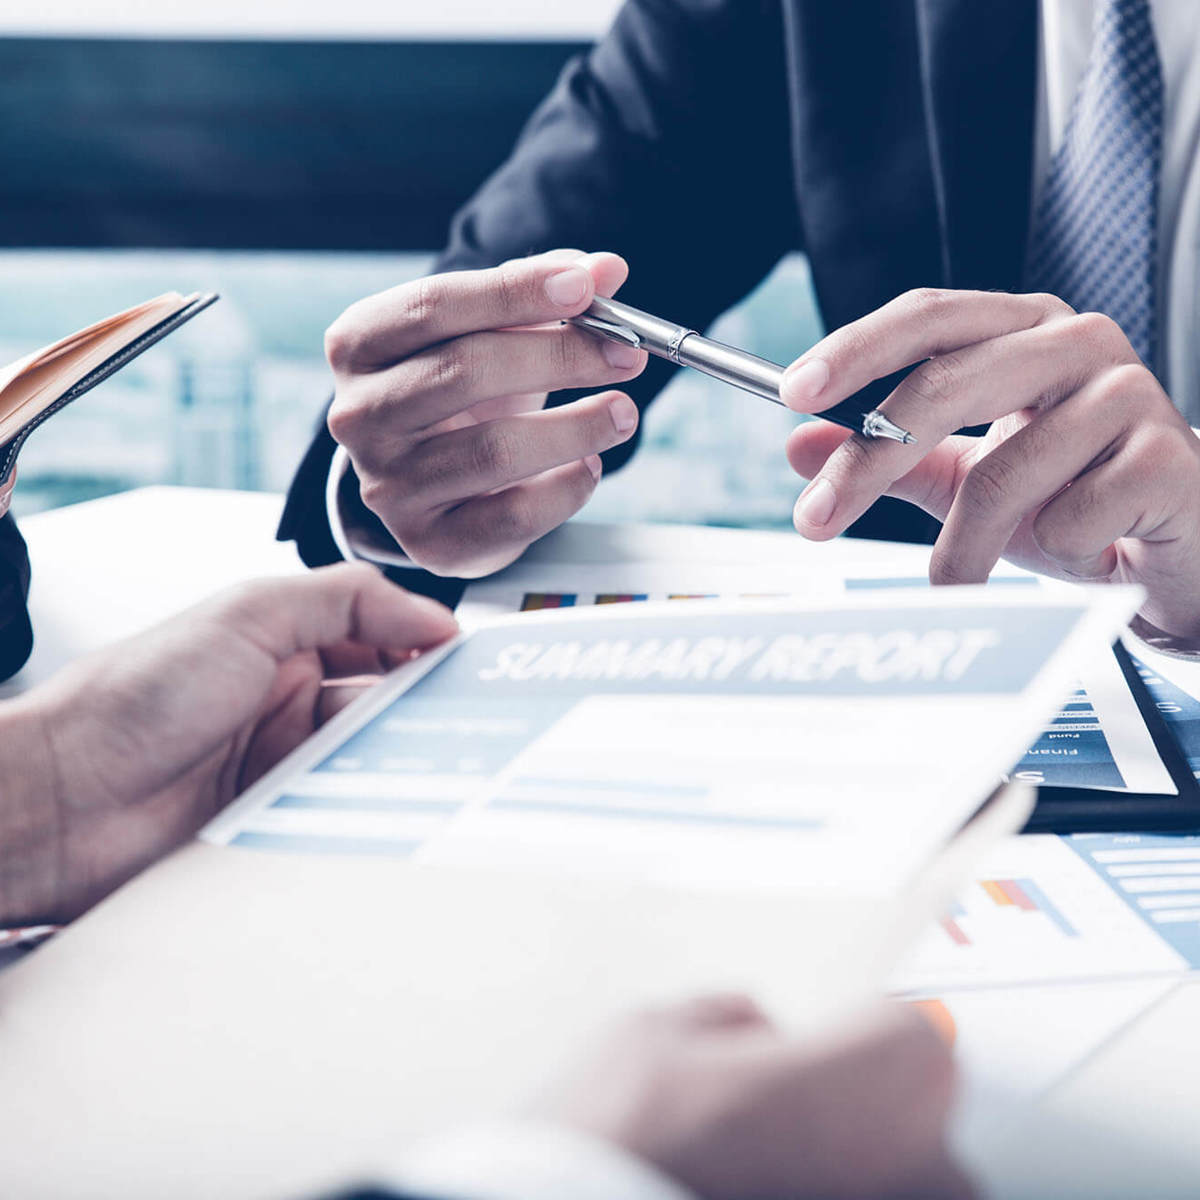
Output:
(354, 543)
(530, 1160)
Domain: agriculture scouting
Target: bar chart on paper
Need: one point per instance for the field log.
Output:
(1023, 895)
(1039, 912)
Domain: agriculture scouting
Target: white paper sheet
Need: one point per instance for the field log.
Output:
(1012, 1045)
(757, 745)
(1048, 909)
(1097, 739)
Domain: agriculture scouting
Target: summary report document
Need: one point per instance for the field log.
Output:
(1122, 751)
(749, 744)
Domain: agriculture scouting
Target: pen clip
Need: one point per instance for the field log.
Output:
(619, 333)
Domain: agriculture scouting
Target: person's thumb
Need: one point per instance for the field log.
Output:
(351, 602)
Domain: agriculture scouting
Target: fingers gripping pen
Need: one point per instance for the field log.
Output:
(664, 339)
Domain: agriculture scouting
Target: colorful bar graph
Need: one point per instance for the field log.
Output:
(535, 601)
(1017, 894)
(620, 597)
(1025, 895)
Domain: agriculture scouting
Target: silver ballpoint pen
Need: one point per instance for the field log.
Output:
(664, 339)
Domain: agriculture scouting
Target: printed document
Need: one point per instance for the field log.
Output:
(1096, 739)
(759, 744)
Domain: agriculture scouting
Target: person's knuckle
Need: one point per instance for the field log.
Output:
(431, 467)
(436, 555)
(512, 285)
(441, 555)
(343, 341)
(378, 492)
(1050, 307)
(356, 415)
(1125, 384)
(494, 452)
(932, 305)
(850, 344)
(1149, 455)
(937, 380)
(344, 419)
(444, 370)
(421, 303)
(993, 484)
(854, 458)
(1099, 333)
(515, 517)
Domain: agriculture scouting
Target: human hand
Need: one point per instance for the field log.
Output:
(1088, 471)
(123, 755)
(440, 403)
(712, 1095)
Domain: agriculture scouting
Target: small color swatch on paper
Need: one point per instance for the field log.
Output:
(535, 601)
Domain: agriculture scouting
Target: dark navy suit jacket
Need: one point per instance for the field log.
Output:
(889, 140)
(16, 636)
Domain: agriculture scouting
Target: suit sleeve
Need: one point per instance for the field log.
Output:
(667, 142)
(16, 633)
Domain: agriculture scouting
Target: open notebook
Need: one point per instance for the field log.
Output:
(34, 388)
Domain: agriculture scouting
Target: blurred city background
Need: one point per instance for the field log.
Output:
(232, 400)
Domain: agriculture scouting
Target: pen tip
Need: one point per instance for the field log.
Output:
(876, 425)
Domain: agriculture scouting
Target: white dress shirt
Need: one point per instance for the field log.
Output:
(1066, 45)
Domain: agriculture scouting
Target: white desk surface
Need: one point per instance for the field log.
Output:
(108, 568)
(105, 569)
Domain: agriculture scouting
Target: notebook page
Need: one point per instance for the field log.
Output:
(40, 379)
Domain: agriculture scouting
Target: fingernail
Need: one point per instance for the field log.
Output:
(624, 414)
(593, 464)
(804, 381)
(816, 503)
(618, 355)
(567, 287)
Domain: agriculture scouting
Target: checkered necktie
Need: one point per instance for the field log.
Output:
(1094, 239)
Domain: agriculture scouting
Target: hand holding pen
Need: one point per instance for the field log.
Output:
(441, 403)
(631, 327)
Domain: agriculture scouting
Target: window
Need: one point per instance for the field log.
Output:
(232, 399)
